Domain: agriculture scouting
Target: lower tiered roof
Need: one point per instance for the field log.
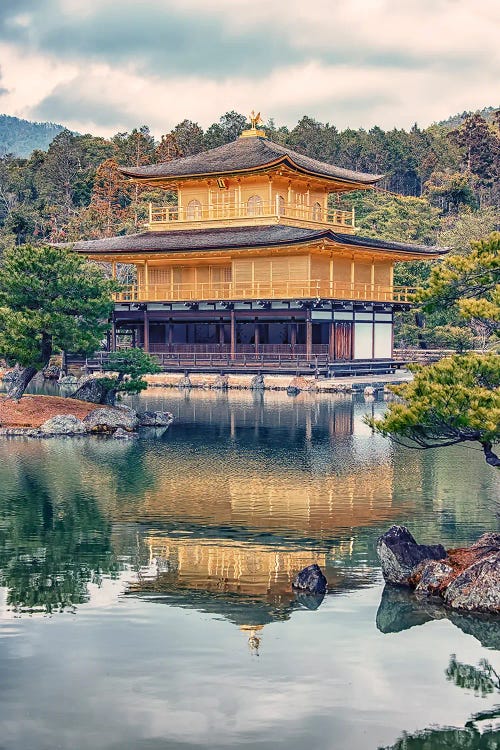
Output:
(275, 235)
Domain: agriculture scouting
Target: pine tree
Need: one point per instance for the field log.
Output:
(50, 300)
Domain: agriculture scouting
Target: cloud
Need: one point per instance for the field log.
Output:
(107, 65)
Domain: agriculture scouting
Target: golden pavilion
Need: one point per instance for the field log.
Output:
(253, 262)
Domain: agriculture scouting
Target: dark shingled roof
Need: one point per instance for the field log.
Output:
(246, 154)
(232, 238)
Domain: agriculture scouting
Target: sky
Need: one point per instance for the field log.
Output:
(104, 66)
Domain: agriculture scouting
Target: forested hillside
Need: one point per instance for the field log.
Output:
(21, 137)
(441, 184)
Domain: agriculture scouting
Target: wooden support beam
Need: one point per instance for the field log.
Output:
(331, 341)
(293, 336)
(308, 334)
(146, 331)
(233, 335)
(257, 337)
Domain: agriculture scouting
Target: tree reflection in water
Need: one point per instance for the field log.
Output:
(51, 548)
(399, 610)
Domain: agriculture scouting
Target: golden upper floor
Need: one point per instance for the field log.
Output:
(250, 181)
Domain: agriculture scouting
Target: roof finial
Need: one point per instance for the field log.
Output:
(255, 120)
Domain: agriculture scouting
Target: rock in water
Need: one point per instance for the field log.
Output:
(477, 588)
(63, 424)
(257, 383)
(109, 419)
(221, 383)
(399, 554)
(155, 419)
(93, 390)
(311, 580)
(433, 576)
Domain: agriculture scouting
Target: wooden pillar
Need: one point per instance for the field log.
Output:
(134, 337)
(293, 336)
(257, 337)
(238, 198)
(331, 341)
(146, 331)
(372, 278)
(233, 335)
(146, 279)
(352, 275)
(308, 334)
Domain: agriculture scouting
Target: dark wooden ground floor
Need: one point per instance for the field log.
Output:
(265, 333)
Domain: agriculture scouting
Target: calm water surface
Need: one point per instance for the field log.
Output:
(145, 585)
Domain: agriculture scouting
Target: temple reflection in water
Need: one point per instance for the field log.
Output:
(218, 515)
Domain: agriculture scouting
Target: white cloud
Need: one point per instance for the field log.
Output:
(356, 63)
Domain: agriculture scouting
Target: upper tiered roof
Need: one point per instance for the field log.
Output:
(248, 153)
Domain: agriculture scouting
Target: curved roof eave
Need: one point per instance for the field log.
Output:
(284, 160)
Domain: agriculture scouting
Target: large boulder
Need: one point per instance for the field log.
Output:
(109, 419)
(10, 376)
(299, 384)
(68, 380)
(94, 390)
(433, 576)
(63, 424)
(477, 588)
(155, 418)
(221, 383)
(400, 555)
(257, 382)
(310, 580)
(51, 372)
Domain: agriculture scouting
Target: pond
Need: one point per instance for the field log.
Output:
(145, 597)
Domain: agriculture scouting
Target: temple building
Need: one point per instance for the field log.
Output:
(256, 259)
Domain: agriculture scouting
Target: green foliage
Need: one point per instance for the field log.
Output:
(50, 299)
(226, 130)
(459, 338)
(49, 194)
(452, 401)
(458, 231)
(394, 217)
(450, 191)
(471, 283)
(130, 365)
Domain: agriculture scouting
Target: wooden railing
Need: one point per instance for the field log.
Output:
(169, 215)
(226, 291)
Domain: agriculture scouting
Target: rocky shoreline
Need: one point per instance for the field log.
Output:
(465, 579)
(70, 418)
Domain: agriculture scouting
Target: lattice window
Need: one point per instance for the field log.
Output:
(193, 210)
(316, 211)
(254, 205)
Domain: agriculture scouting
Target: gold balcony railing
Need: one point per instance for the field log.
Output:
(227, 291)
(173, 216)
